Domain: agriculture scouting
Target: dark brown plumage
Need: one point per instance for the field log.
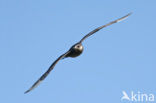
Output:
(74, 51)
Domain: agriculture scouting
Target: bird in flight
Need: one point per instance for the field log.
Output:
(74, 51)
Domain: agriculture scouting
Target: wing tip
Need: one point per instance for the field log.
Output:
(129, 14)
(124, 17)
(27, 91)
(33, 86)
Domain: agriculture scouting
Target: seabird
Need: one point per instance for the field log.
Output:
(74, 51)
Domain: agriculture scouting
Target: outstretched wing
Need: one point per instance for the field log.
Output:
(46, 73)
(97, 29)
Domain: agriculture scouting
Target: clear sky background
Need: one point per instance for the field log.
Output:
(33, 33)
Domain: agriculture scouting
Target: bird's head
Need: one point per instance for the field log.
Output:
(78, 47)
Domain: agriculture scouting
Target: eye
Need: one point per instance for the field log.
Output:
(78, 46)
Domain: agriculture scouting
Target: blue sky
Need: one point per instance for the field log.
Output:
(33, 33)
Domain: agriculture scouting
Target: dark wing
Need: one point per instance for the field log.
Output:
(97, 29)
(46, 73)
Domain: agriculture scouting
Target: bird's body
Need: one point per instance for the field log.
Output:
(74, 51)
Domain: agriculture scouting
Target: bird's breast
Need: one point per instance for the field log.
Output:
(74, 53)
